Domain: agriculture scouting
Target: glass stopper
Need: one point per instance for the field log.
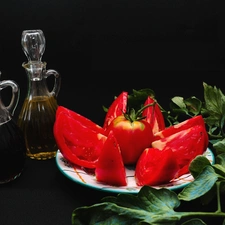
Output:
(33, 44)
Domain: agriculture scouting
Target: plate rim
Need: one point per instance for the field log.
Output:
(114, 189)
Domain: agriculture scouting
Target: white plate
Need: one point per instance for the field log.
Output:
(82, 177)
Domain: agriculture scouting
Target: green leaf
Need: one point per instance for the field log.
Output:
(219, 146)
(148, 198)
(198, 164)
(193, 105)
(201, 185)
(220, 159)
(215, 105)
(149, 206)
(214, 99)
(219, 167)
(179, 101)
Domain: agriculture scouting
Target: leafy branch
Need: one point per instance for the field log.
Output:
(162, 206)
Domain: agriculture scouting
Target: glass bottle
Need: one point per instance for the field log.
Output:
(37, 115)
(12, 143)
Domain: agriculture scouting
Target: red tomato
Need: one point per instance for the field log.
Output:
(84, 120)
(110, 168)
(77, 143)
(117, 108)
(154, 115)
(133, 137)
(155, 167)
(196, 120)
(186, 144)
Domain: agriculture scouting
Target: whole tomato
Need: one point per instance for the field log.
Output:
(133, 136)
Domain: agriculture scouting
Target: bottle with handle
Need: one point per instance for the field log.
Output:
(12, 143)
(37, 116)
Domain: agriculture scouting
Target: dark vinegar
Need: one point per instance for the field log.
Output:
(12, 151)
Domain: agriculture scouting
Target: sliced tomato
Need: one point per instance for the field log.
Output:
(110, 168)
(196, 120)
(84, 120)
(117, 108)
(77, 143)
(155, 167)
(154, 115)
(186, 144)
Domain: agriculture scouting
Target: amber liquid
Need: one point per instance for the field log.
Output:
(36, 120)
(12, 152)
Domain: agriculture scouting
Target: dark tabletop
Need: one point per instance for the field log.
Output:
(42, 195)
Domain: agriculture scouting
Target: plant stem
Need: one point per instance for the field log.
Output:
(203, 214)
(218, 197)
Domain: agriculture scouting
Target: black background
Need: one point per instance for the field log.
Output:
(101, 48)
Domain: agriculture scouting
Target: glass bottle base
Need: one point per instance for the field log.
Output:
(42, 155)
(10, 179)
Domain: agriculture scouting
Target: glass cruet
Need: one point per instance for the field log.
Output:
(12, 143)
(37, 115)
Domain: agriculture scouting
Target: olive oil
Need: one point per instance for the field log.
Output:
(36, 120)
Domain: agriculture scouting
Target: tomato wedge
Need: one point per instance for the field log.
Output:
(155, 167)
(117, 108)
(154, 115)
(84, 120)
(196, 120)
(110, 167)
(186, 144)
(78, 144)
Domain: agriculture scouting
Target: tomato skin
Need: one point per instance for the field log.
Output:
(155, 167)
(133, 137)
(110, 167)
(154, 115)
(186, 144)
(78, 144)
(196, 120)
(193, 121)
(117, 108)
(76, 116)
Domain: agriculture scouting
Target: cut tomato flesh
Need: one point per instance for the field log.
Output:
(154, 115)
(117, 108)
(186, 144)
(110, 167)
(155, 167)
(83, 120)
(77, 143)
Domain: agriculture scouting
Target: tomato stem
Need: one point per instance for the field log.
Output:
(137, 116)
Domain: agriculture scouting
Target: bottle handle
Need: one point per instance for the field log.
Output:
(15, 94)
(57, 81)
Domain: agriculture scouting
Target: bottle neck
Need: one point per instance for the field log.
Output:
(35, 70)
(37, 85)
